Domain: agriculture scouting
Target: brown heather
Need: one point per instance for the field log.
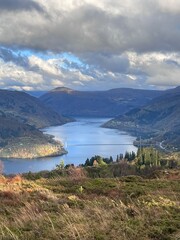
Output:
(80, 208)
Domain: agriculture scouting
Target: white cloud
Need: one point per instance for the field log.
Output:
(43, 65)
(40, 74)
(9, 72)
(163, 74)
(56, 83)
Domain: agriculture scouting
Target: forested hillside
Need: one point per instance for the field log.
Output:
(158, 119)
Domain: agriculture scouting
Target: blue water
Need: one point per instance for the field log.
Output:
(82, 139)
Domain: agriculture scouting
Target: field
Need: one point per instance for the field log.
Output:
(77, 207)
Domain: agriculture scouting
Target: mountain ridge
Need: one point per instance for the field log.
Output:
(107, 103)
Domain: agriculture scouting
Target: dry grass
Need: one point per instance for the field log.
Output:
(119, 209)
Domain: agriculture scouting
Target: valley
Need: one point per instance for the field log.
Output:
(151, 115)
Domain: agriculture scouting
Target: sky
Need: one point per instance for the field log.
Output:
(89, 44)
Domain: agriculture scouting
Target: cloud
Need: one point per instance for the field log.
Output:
(158, 69)
(98, 71)
(163, 74)
(10, 73)
(47, 66)
(107, 62)
(90, 44)
(9, 56)
(88, 26)
(39, 74)
(20, 5)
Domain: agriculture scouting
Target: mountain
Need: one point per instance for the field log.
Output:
(28, 109)
(97, 103)
(19, 140)
(158, 119)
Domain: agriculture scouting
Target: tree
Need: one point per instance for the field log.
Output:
(127, 155)
(130, 156)
(61, 165)
(133, 155)
(87, 162)
(121, 156)
(101, 162)
(110, 159)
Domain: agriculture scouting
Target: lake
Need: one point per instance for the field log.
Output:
(82, 139)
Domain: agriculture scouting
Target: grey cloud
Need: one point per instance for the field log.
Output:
(89, 28)
(20, 5)
(107, 62)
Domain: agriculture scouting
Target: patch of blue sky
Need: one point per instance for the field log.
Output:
(67, 60)
(50, 55)
(23, 53)
(71, 58)
(71, 61)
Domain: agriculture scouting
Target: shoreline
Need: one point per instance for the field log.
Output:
(38, 157)
(32, 148)
(148, 138)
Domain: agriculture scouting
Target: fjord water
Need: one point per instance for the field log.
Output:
(82, 139)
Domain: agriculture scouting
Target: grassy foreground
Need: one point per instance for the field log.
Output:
(125, 208)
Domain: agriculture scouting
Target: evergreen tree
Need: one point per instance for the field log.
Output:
(110, 159)
(133, 155)
(87, 162)
(120, 156)
(127, 155)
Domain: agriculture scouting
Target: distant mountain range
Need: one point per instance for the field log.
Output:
(109, 103)
(159, 119)
(28, 109)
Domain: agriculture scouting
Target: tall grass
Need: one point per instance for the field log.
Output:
(125, 208)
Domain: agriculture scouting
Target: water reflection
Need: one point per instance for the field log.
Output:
(78, 137)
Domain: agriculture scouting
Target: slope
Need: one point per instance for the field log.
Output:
(19, 140)
(159, 118)
(28, 109)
